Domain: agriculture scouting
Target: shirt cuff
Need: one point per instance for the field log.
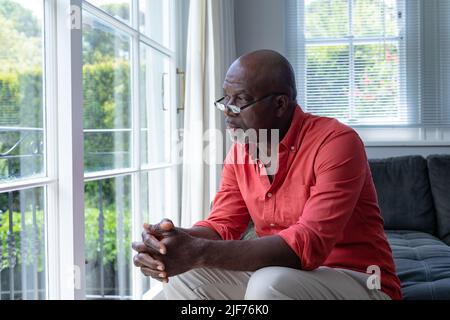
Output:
(222, 230)
(299, 242)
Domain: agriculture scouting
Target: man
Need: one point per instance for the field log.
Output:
(320, 231)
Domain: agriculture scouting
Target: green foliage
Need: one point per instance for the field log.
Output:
(18, 50)
(10, 99)
(93, 245)
(29, 230)
(119, 10)
(106, 106)
(329, 18)
(108, 200)
(323, 18)
(22, 19)
(107, 95)
(21, 98)
(102, 43)
(32, 231)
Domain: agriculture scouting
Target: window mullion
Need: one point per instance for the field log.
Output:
(136, 209)
(50, 98)
(70, 232)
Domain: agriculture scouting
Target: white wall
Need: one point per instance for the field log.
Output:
(260, 25)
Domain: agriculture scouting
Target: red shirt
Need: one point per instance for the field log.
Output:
(322, 200)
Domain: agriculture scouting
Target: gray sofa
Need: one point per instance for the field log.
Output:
(414, 197)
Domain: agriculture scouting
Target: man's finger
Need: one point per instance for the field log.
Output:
(153, 243)
(159, 229)
(158, 275)
(145, 260)
(141, 247)
(166, 225)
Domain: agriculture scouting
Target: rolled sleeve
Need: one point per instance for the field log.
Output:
(229, 216)
(340, 168)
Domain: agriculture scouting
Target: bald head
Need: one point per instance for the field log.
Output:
(264, 71)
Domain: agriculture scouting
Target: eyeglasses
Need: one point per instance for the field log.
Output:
(237, 110)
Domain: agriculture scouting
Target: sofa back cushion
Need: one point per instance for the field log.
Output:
(439, 172)
(404, 193)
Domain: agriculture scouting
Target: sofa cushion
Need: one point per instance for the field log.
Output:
(250, 232)
(423, 264)
(404, 193)
(439, 172)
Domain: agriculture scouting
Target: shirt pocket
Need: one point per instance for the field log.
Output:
(292, 204)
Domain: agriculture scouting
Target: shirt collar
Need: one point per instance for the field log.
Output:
(291, 140)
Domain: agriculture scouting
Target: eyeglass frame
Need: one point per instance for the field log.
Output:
(238, 110)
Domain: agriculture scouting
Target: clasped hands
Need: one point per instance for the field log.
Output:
(165, 251)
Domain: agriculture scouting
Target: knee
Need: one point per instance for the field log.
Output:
(268, 284)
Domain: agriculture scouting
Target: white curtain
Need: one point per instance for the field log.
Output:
(210, 50)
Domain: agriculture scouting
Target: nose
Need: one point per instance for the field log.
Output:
(229, 113)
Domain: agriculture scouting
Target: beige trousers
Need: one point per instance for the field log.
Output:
(271, 283)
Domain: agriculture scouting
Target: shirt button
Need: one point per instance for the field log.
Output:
(260, 165)
(272, 225)
(292, 148)
(269, 195)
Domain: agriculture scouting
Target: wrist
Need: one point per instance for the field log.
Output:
(201, 252)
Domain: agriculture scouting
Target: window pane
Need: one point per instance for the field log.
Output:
(326, 18)
(154, 18)
(155, 96)
(21, 89)
(106, 75)
(108, 237)
(377, 84)
(22, 245)
(119, 9)
(158, 201)
(375, 18)
(327, 80)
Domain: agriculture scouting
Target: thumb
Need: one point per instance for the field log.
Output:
(158, 229)
(166, 225)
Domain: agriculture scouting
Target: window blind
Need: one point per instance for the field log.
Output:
(372, 62)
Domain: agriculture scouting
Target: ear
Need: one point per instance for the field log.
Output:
(282, 105)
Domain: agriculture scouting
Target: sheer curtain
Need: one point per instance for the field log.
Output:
(210, 50)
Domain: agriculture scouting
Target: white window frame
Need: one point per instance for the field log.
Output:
(63, 124)
(382, 135)
(351, 41)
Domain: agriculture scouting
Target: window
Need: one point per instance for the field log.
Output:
(351, 60)
(128, 119)
(107, 96)
(67, 221)
(23, 151)
(372, 63)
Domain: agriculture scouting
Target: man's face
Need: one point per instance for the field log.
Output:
(241, 88)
